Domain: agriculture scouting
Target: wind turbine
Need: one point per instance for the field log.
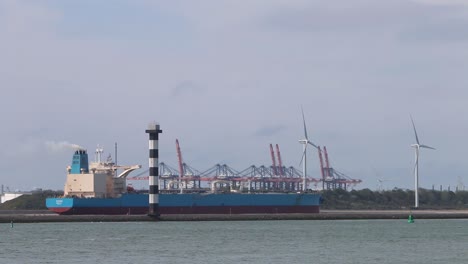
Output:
(380, 180)
(380, 185)
(305, 142)
(416, 147)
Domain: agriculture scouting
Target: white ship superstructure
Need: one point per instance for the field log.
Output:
(98, 179)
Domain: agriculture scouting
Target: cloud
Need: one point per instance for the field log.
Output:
(441, 30)
(187, 88)
(443, 2)
(27, 19)
(222, 74)
(269, 131)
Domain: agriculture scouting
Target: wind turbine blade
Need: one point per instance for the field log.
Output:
(312, 144)
(414, 128)
(416, 162)
(303, 154)
(303, 119)
(425, 146)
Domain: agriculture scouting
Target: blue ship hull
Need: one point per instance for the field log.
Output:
(190, 204)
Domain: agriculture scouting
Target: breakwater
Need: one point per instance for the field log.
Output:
(41, 216)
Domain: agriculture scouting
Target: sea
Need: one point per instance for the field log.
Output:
(310, 241)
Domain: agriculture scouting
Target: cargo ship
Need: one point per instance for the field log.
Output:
(96, 188)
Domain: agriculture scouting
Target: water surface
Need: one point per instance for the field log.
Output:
(353, 241)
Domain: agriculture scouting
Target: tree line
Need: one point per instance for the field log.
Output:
(393, 199)
(35, 201)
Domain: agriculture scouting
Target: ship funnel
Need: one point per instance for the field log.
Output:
(80, 162)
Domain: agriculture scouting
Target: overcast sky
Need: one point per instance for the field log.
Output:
(227, 78)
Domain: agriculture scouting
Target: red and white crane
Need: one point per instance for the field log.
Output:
(275, 172)
(322, 169)
(327, 163)
(280, 162)
(181, 166)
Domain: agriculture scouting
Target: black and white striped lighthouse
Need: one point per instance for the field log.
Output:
(153, 131)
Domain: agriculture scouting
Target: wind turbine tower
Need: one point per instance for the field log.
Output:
(305, 142)
(417, 147)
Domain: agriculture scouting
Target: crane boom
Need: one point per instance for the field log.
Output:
(326, 162)
(181, 167)
(322, 169)
(273, 160)
(280, 162)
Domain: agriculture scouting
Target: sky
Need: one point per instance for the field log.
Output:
(228, 78)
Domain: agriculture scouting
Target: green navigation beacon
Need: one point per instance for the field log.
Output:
(410, 218)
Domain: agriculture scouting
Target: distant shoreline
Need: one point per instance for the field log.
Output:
(41, 216)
